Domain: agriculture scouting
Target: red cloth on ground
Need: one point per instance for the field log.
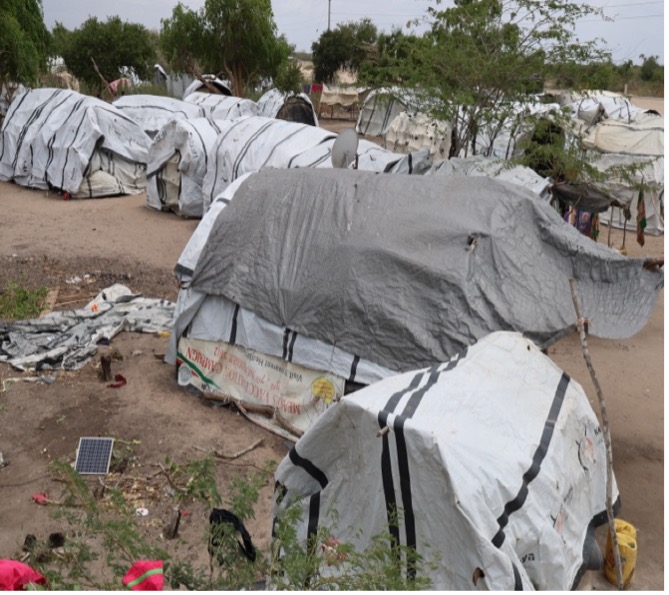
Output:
(14, 576)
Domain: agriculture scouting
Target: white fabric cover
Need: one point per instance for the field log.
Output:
(337, 95)
(650, 172)
(643, 135)
(177, 165)
(411, 132)
(50, 137)
(223, 107)
(494, 460)
(152, 112)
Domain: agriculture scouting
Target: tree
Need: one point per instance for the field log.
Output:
(651, 70)
(117, 47)
(235, 38)
(346, 47)
(23, 43)
(484, 56)
(392, 59)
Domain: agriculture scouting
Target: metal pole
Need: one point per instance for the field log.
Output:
(329, 5)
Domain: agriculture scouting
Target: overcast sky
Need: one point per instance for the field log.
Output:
(638, 26)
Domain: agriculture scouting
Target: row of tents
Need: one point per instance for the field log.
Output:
(177, 141)
(391, 317)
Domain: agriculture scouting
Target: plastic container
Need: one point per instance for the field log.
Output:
(627, 546)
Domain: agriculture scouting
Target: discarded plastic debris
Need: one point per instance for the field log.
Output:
(217, 519)
(142, 511)
(626, 536)
(41, 499)
(14, 576)
(3, 463)
(145, 575)
(119, 381)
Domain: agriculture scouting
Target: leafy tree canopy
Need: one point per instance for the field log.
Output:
(23, 42)
(348, 46)
(482, 56)
(115, 46)
(234, 38)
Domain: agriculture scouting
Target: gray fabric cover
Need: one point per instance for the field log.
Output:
(406, 271)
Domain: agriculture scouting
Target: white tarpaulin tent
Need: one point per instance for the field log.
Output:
(287, 106)
(494, 168)
(152, 112)
(356, 275)
(381, 107)
(58, 138)
(643, 135)
(178, 161)
(492, 466)
(252, 144)
(197, 86)
(594, 108)
(223, 107)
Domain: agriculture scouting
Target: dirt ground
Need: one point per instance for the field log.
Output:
(46, 241)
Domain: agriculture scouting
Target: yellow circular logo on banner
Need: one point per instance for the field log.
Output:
(324, 388)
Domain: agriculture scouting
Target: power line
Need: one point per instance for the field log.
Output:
(616, 19)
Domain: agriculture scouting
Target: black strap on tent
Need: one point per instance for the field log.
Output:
(233, 330)
(432, 374)
(308, 466)
(516, 503)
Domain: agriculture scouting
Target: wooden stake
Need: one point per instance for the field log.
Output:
(105, 369)
(580, 324)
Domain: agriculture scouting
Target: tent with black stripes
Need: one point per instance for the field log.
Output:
(294, 107)
(60, 139)
(300, 285)
(255, 143)
(491, 467)
(178, 159)
(223, 107)
(152, 112)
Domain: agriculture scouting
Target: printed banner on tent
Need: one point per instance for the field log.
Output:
(298, 395)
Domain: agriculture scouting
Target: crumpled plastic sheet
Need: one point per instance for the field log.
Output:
(67, 340)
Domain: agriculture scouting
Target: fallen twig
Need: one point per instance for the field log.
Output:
(221, 455)
(607, 437)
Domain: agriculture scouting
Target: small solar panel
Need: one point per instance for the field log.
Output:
(94, 455)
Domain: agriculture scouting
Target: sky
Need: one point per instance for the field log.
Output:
(637, 27)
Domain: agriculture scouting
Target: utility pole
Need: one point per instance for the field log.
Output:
(329, 5)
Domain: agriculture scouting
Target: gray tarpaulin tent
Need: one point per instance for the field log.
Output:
(438, 262)
(492, 462)
(58, 138)
(398, 271)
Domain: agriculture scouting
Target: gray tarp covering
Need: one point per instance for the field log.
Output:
(67, 340)
(406, 270)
